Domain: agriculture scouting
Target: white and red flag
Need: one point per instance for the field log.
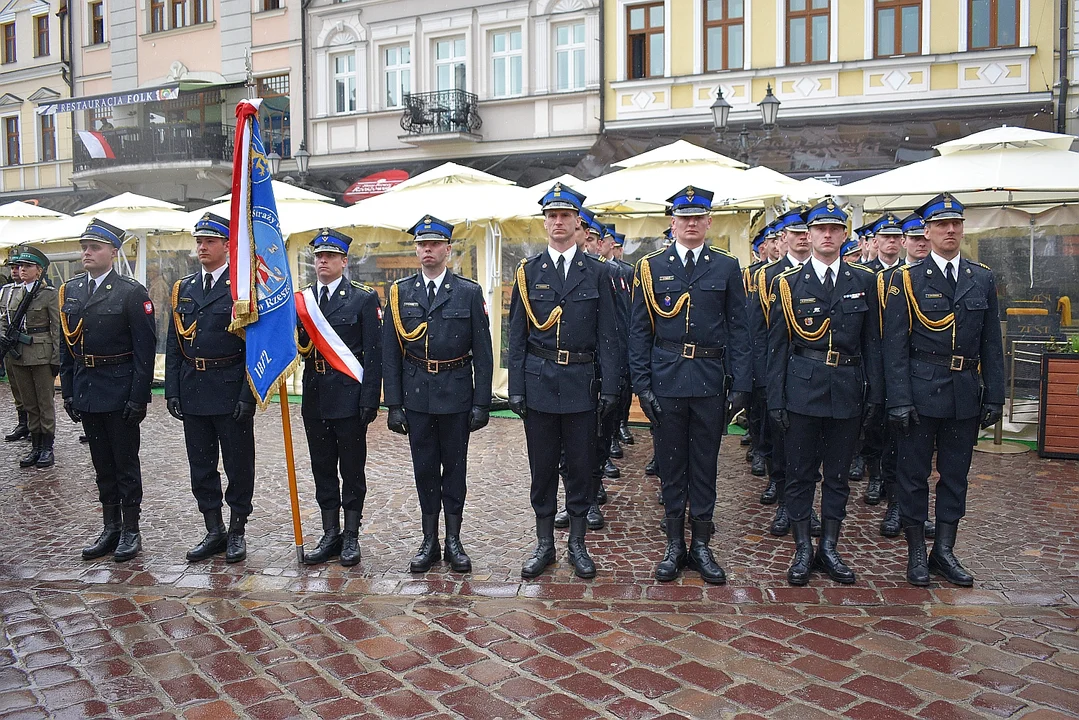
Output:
(96, 144)
(328, 343)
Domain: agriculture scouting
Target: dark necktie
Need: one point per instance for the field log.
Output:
(690, 265)
(93, 286)
(829, 283)
(560, 266)
(324, 299)
(949, 273)
(430, 293)
(208, 284)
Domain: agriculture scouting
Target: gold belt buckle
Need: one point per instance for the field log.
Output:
(832, 359)
(432, 366)
(957, 363)
(88, 360)
(320, 366)
(200, 363)
(562, 357)
(689, 351)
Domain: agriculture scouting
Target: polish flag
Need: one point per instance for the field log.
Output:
(326, 340)
(96, 145)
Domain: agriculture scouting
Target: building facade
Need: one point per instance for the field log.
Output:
(406, 84)
(890, 78)
(36, 149)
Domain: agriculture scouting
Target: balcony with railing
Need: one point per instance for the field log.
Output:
(160, 143)
(441, 115)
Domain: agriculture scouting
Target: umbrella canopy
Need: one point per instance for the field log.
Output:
(995, 167)
(299, 210)
(648, 179)
(25, 223)
(450, 192)
(566, 179)
(131, 212)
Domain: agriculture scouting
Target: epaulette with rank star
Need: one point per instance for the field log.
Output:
(361, 286)
(721, 251)
(975, 262)
(862, 267)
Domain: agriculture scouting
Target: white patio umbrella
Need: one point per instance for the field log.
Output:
(25, 223)
(1002, 166)
(299, 210)
(138, 214)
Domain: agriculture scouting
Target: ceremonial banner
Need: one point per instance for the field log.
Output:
(328, 343)
(96, 144)
(264, 308)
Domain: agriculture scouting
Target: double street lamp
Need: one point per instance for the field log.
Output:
(301, 156)
(769, 107)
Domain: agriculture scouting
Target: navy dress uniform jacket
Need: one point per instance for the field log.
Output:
(589, 324)
(457, 326)
(214, 390)
(355, 314)
(935, 390)
(758, 307)
(808, 386)
(717, 318)
(117, 320)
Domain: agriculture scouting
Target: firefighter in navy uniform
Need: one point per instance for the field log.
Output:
(206, 389)
(823, 367)
(691, 362)
(106, 369)
(563, 323)
(622, 436)
(761, 441)
(945, 379)
(336, 409)
(437, 364)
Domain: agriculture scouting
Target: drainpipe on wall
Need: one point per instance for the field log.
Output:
(303, 69)
(1062, 99)
(603, 64)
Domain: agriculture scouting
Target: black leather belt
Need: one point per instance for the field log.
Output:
(830, 358)
(690, 350)
(35, 330)
(562, 357)
(955, 363)
(99, 360)
(214, 363)
(436, 366)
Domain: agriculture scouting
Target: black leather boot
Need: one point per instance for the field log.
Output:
(46, 458)
(875, 487)
(700, 555)
(828, 556)
(650, 467)
(675, 557)
(771, 493)
(216, 539)
(615, 450)
(814, 524)
(583, 567)
(610, 470)
(625, 435)
(601, 494)
(35, 452)
(781, 524)
(350, 540)
(329, 545)
(943, 562)
(130, 540)
(759, 468)
(798, 574)
(22, 430)
(455, 552)
(889, 526)
(543, 555)
(594, 517)
(917, 563)
(930, 530)
(561, 518)
(857, 468)
(236, 544)
(429, 552)
(110, 535)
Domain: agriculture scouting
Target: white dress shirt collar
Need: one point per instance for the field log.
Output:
(821, 269)
(682, 251)
(942, 263)
(216, 274)
(100, 279)
(795, 262)
(886, 266)
(331, 288)
(568, 254)
(436, 280)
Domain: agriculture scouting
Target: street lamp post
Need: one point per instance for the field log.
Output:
(769, 108)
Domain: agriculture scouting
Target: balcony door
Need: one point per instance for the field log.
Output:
(450, 64)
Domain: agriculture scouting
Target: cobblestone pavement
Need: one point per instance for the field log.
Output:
(157, 637)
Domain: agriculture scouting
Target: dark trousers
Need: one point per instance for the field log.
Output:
(114, 450)
(687, 448)
(888, 460)
(873, 443)
(334, 444)
(954, 442)
(205, 436)
(625, 401)
(758, 423)
(548, 435)
(778, 474)
(815, 445)
(439, 446)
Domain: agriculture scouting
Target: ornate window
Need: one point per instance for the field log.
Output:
(993, 24)
(507, 62)
(723, 34)
(808, 31)
(397, 74)
(41, 36)
(569, 56)
(644, 41)
(898, 26)
(344, 82)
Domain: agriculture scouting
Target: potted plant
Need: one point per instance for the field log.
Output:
(1058, 426)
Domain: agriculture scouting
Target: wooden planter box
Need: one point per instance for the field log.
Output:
(1058, 423)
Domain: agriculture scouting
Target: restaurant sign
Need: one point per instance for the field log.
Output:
(372, 185)
(100, 102)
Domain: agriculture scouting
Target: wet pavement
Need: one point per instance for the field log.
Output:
(158, 637)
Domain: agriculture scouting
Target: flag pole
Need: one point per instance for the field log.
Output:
(290, 463)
